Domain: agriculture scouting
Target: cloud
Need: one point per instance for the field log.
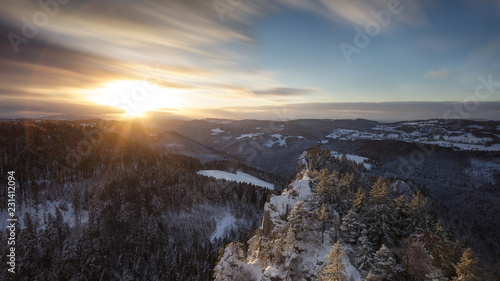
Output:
(383, 111)
(437, 74)
(193, 53)
(285, 92)
(360, 12)
(38, 108)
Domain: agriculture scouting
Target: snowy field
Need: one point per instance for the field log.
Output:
(238, 177)
(423, 132)
(356, 158)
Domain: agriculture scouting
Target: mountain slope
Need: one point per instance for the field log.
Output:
(334, 223)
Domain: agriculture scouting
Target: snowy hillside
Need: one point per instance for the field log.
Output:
(332, 223)
(238, 177)
(301, 257)
(437, 132)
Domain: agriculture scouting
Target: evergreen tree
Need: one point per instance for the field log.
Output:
(28, 249)
(403, 224)
(324, 188)
(445, 251)
(467, 269)
(359, 200)
(322, 216)
(384, 266)
(350, 227)
(418, 209)
(380, 215)
(364, 256)
(343, 193)
(334, 269)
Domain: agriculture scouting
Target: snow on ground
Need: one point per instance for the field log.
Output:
(312, 255)
(248, 136)
(392, 136)
(356, 158)
(467, 138)
(466, 146)
(424, 132)
(43, 209)
(219, 121)
(493, 147)
(350, 270)
(222, 225)
(277, 138)
(476, 127)
(238, 177)
(217, 131)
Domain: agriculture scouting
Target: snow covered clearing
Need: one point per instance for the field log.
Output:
(248, 136)
(217, 131)
(356, 158)
(238, 177)
(424, 132)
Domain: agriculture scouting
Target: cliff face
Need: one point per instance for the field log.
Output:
(292, 242)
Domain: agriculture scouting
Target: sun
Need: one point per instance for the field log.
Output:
(135, 97)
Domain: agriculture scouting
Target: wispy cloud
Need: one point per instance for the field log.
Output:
(188, 49)
(360, 12)
(437, 74)
(384, 111)
(285, 92)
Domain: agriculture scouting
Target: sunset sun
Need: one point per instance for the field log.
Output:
(135, 97)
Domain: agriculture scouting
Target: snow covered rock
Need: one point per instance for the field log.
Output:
(291, 243)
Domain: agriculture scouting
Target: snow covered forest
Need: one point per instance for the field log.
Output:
(335, 223)
(129, 207)
(125, 212)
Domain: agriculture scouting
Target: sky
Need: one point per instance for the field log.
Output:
(250, 59)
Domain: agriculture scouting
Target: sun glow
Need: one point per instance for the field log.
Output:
(136, 98)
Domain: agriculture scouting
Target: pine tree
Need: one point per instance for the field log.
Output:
(343, 193)
(28, 249)
(379, 190)
(466, 269)
(380, 215)
(445, 251)
(403, 224)
(334, 269)
(418, 209)
(324, 188)
(359, 200)
(364, 256)
(384, 265)
(322, 215)
(350, 227)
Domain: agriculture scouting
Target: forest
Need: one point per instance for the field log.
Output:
(123, 211)
(370, 228)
